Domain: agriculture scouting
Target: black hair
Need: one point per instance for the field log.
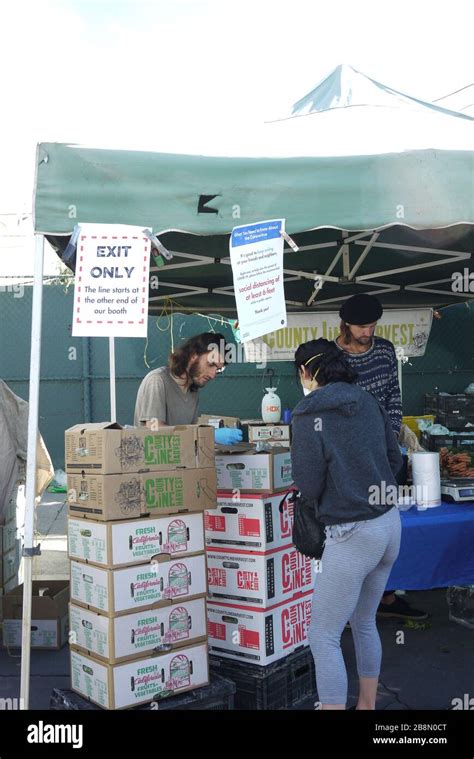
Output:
(331, 365)
(198, 344)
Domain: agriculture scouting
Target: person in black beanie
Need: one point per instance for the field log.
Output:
(374, 360)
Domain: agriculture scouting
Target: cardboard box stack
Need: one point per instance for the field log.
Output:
(260, 587)
(138, 566)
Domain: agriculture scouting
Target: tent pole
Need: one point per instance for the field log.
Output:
(29, 550)
(113, 406)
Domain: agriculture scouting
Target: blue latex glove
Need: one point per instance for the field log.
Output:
(227, 436)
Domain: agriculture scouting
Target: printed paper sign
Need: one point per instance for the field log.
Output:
(111, 285)
(256, 254)
(407, 330)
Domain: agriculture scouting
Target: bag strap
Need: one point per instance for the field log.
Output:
(293, 490)
(294, 494)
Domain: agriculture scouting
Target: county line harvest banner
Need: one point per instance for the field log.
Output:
(407, 330)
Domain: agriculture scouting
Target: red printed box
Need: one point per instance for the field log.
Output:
(250, 522)
(257, 579)
(258, 636)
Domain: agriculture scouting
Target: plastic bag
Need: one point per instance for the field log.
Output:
(59, 484)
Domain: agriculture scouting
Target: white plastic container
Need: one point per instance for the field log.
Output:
(426, 479)
(271, 407)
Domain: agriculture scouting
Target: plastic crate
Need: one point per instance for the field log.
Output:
(302, 676)
(435, 442)
(454, 421)
(431, 403)
(461, 404)
(280, 685)
(217, 696)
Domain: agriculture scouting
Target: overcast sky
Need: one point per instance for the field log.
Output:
(190, 76)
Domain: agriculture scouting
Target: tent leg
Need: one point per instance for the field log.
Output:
(35, 361)
(113, 405)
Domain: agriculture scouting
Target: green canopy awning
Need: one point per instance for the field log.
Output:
(377, 189)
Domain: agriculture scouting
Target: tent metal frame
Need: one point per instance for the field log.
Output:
(372, 280)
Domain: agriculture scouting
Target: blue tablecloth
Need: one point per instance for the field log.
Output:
(437, 548)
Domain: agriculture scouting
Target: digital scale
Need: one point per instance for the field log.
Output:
(458, 490)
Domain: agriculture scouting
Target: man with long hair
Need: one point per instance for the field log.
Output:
(169, 395)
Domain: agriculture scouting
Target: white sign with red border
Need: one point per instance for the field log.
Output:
(111, 285)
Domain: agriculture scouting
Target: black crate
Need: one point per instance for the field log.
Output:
(217, 696)
(257, 687)
(454, 421)
(301, 675)
(431, 403)
(435, 442)
(461, 404)
(280, 685)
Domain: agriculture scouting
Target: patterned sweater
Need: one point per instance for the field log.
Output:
(378, 373)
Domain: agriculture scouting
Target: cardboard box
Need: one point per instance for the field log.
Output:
(119, 638)
(253, 472)
(255, 431)
(189, 490)
(257, 579)
(107, 448)
(49, 615)
(134, 541)
(128, 496)
(117, 686)
(116, 591)
(217, 420)
(250, 521)
(256, 636)
(265, 445)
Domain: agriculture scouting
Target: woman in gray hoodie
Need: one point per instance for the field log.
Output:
(345, 457)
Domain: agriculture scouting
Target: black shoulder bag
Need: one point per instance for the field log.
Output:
(308, 530)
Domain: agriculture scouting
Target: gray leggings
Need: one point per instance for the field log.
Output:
(354, 570)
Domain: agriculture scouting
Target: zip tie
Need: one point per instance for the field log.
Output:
(290, 242)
